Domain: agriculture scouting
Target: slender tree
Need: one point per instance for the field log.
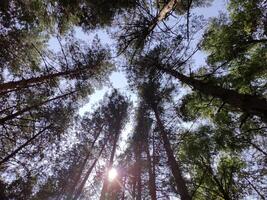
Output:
(152, 98)
(117, 116)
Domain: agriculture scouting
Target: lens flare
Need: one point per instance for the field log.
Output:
(112, 174)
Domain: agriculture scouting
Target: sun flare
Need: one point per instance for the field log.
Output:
(112, 174)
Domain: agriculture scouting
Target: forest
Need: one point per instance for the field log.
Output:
(189, 123)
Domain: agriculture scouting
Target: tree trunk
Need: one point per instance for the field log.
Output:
(79, 173)
(175, 168)
(163, 13)
(27, 109)
(80, 188)
(253, 105)
(224, 193)
(105, 189)
(12, 85)
(23, 146)
(152, 179)
(138, 171)
(123, 189)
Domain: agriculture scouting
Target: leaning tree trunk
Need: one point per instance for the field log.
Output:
(81, 169)
(14, 85)
(35, 106)
(163, 13)
(174, 165)
(253, 105)
(14, 153)
(80, 188)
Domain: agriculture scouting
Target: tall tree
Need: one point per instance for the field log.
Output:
(116, 114)
(153, 97)
(141, 140)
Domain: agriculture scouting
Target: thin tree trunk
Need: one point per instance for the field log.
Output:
(34, 80)
(219, 184)
(175, 168)
(133, 195)
(138, 171)
(163, 14)
(257, 191)
(105, 189)
(79, 173)
(80, 188)
(152, 179)
(35, 106)
(23, 146)
(123, 189)
(248, 103)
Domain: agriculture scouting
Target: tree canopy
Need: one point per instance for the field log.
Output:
(190, 124)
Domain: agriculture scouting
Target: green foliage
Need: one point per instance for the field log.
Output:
(239, 40)
(213, 170)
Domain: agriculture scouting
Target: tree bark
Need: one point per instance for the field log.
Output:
(23, 146)
(174, 165)
(138, 170)
(123, 189)
(253, 105)
(163, 13)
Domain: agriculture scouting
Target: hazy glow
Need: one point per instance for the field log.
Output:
(112, 174)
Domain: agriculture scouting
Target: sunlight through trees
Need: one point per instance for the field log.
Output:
(112, 174)
(190, 124)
